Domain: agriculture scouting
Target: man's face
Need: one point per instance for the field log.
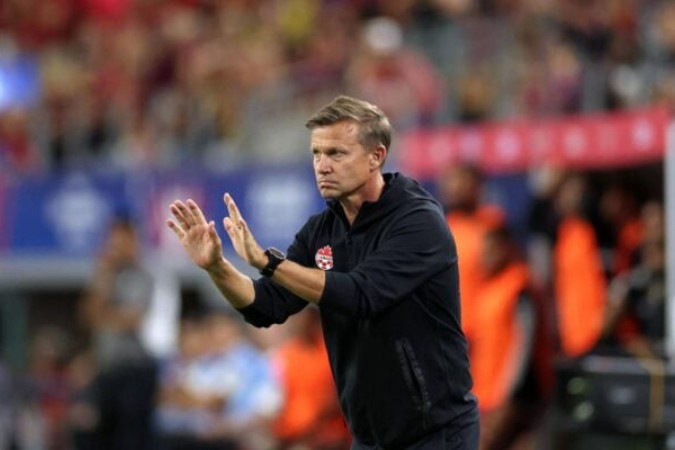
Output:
(342, 165)
(460, 189)
(121, 245)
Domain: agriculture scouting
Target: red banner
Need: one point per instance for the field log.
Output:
(583, 142)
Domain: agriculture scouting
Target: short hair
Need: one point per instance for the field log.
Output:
(472, 170)
(375, 128)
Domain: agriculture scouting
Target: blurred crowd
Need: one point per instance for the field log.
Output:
(223, 386)
(163, 84)
(134, 84)
(587, 277)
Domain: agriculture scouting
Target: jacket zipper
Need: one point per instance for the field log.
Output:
(414, 378)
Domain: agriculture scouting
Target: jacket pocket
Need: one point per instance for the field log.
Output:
(414, 378)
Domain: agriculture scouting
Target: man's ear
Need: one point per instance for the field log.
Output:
(377, 157)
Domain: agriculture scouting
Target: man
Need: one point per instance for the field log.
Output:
(113, 308)
(580, 286)
(381, 264)
(461, 189)
(509, 358)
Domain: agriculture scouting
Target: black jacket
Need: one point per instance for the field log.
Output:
(390, 314)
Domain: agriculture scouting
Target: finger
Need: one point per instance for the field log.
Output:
(196, 212)
(175, 228)
(186, 213)
(179, 215)
(232, 209)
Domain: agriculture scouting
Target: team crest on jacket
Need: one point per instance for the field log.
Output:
(324, 258)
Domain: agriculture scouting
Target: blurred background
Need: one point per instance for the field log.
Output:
(539, 124)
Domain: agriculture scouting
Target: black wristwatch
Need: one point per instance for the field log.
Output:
(275, 257)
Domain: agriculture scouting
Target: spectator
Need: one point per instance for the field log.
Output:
(221, 398)
(619, 210)
(310, 415)
(663, 31)
(183, 418)
(542, 223)
(226, 58)
(113, 308)
(461, 190)
(509, 359)
(18, 151)
(49, 384)
(395, 76)
(243, 376)
(83, 412)
(475, 97)
(640, 293)
(579, 279)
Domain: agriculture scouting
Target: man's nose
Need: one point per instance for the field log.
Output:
(322, 164)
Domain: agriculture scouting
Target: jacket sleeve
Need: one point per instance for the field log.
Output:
(416, 247)
(273, 304)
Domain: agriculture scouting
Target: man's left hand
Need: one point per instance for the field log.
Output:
(242, 239)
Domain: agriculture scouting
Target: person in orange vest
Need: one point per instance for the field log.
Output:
(579, 282)
(310, 416)
(508, 363)
(461, 190)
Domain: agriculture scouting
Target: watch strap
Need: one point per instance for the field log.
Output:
(274, 258)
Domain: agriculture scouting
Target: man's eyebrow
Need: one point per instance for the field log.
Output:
(332, 149)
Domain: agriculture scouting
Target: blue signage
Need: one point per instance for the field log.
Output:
(67, 214)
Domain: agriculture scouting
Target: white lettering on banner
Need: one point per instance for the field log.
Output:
(471, 145)
(643, 135)
(78, 213)
(576, 143)
(508, 145)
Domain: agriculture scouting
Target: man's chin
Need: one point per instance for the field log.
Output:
(328, 194)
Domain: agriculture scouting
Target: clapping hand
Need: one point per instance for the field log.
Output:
(201, 240)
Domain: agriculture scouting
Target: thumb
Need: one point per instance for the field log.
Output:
(213, 233)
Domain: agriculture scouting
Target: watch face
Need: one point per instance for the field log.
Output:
(276, 253)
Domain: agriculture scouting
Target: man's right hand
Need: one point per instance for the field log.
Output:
(204, 247)
(199, 237)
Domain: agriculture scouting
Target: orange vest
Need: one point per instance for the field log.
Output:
(309, 393)
(498, 343)
(469, 232)
(580, 287)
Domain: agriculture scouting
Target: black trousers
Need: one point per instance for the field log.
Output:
(125, 399)
(449, 438)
